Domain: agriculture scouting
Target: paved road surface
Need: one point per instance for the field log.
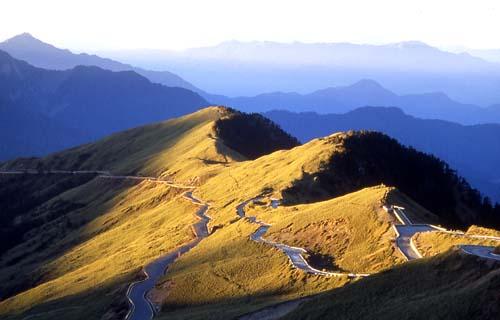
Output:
(407, 230)
(403, 241)
(400, 214)
(481, 251)
(140, 307)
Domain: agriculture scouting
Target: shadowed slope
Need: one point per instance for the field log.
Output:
(449, 286)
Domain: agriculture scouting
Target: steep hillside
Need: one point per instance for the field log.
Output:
(449, 286)
(81, 237)
(345, 162)
(252, 135)
(92, 101)
(348, 233)
(371, 158)
(460, 146)
(57, 226)
(184, 147)
(90, 243)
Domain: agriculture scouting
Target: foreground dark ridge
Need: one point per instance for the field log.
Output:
(405, 230)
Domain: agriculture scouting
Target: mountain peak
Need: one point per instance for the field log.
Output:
(23, 38)
(27, 42)
(410, 45)
(367, 84)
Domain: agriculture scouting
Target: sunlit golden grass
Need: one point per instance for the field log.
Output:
(435, 242)
(476, 230)
(121, 226)
(271, 173)
(128, 229)
(353, 229)
(179, 147)
(228, 274)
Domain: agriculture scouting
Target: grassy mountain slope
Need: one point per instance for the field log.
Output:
(349, 233)
(448, 286)
(230, 273)
(117, 228)
(432, 243)
(370, 158)
(159, 149)
(463, 147)
(91, 237)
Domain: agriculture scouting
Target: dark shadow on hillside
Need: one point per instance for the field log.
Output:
(252, 135)
(55, 220)
(323, 262)
(452, 285)
(104, 301)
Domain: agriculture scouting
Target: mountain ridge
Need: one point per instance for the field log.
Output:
(367, 92)
(87, 99)
(41, 54)
(82, 236)
(459, 145)
(248, 69)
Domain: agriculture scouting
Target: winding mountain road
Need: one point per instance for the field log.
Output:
(294, 254)
(480, 251)
(140, 306)
(142, 309)
(404, 239)
(406, 230)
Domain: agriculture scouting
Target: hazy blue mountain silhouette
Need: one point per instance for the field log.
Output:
(367, 93)
(88, 100)
(250, 68)
(406, 55)
(43, 55)
(26, 133)
(472, 150)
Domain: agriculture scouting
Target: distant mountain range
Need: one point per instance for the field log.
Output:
(433, 105)
(492, 55)
(472, 150)
(65, 108)
(366, 93)
(250, 68)
(43, 55)
(26, 133)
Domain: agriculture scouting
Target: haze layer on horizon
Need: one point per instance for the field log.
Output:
(115, 25)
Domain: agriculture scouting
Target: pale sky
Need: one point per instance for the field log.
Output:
(90, 25)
